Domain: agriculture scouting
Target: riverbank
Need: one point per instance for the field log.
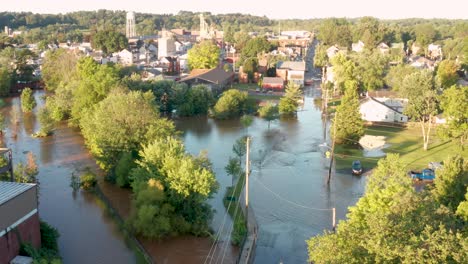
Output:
(405, 141)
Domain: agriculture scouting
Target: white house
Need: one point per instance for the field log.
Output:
(434, 51)
(125, 57)
(357, 47)
(383, 110)
(383, 48)
(332, 51)
(291, 71)
(166, 47)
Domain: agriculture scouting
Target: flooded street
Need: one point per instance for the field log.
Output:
(288, 189)
(87, 234)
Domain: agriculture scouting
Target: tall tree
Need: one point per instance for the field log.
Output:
(269, 112)
(370, 70)
(231, 103)
(109, 41)
(254, 47)
(455, 110)
(447, 73)
(59, 68)
(204, 55)
(28, 102)
(396, 75)
(335, 31)
(348, 126)
(121, 123)
(451, 182)
(418, 88)
(425, 34)
(321, 58)
(289, 102)
(5, 81)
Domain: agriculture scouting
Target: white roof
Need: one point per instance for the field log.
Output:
(9, 190)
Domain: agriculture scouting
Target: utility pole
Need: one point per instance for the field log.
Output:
(332, 148)
(247, 172)
(334, 219)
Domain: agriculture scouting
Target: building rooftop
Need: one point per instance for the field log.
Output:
(9, 190)
(292, 65)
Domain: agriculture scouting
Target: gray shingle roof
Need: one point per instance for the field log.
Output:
(292, 65)
(9, 190)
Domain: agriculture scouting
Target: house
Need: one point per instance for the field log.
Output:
(357, 47)
(332, 51)
(166, 47)
(19, 219)
(273, 83)
(171, 64)
(383, 48)
(388, 110)
(293, 71)
(215, 79)
(421, 63)
(434, 51)
(125, 57)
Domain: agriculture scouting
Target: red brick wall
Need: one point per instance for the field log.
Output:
(10, 243)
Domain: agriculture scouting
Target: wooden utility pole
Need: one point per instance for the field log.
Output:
(332, 148)
(247, 172)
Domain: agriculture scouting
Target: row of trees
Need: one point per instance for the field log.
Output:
(393, 223)
(119, 117)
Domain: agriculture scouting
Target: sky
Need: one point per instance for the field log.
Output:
(273, 9)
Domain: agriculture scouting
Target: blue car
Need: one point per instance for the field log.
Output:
(356, 167)
(424, 175)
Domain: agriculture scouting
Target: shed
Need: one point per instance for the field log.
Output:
(273, 83)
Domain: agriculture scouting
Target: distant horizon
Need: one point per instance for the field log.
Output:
(300, 9)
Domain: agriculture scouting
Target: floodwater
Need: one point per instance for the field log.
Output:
(288, 190)
(87, 233)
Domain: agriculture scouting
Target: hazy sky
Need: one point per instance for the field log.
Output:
(270, 8)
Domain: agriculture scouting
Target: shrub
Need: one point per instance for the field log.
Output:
(88, 180)
(27, 100)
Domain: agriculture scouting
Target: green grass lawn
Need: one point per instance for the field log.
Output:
(405, 141)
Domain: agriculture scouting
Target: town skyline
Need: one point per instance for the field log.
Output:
(399, 9)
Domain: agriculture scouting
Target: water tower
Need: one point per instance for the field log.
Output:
(130, 30)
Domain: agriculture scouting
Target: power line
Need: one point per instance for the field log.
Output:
(289, 201)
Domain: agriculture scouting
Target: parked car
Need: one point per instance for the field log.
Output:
(356, 167)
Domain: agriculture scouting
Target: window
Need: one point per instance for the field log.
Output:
(401, 118)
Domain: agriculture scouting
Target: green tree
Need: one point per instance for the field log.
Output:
(455, 110)
(370, 31)
(451, 182)
(231, 103)
(288, 104)
(59, 68)
(370, 70)
(335, 31)
(5, 81)
(109, 41)
(321, 58)
(246, 121)
(233, 168)
(204, 55)
(121, 123)
(194, 100)
(347, 124)
(250, 66)
(425, 34)
(447, 75)
(93, 84)
(462, 209)
(27, 100)
(123, 168)
(344, 69)
(269, 112)
(422, 105)
(171, 189)
(396, 75)
(46, 122)
(255, 47)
